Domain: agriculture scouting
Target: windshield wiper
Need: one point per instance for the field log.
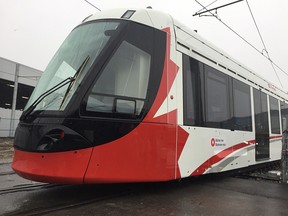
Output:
(55, 88)
(78, 72)
(45, 94)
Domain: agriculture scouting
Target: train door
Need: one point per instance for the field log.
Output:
(262, 150)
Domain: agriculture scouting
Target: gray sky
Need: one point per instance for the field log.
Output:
(32, 30)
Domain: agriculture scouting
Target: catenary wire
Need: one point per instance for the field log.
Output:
(257, 27)
(250, 44)
(207, 6)
(92, 5)
(265, 48)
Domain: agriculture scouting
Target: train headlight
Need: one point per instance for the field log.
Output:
(61, 139)
(53, 137)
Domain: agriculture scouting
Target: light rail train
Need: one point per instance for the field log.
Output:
(135, 96)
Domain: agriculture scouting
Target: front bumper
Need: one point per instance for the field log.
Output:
(59, 167)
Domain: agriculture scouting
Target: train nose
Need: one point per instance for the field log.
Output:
(55, 167)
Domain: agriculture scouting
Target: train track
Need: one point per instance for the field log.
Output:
(267, 173)
(102, 193)
(7, 173)
(69, 205)
(86, 198)
(275, 177)
(26, 187)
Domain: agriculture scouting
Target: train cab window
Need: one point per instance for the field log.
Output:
(217, 99)
(242, 106)
(274, 114)
(123, 84)
(284, 114)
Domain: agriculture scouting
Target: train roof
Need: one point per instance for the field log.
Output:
(192, 44)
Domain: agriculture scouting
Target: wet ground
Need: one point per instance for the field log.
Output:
(224, 196)
(208, 195)
(198, 196)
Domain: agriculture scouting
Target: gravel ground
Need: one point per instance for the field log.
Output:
(6, 150)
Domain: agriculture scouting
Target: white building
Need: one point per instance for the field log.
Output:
(19, 81)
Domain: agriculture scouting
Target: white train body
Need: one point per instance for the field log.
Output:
(207, 113)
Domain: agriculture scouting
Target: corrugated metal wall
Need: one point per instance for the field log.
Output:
(27, 78)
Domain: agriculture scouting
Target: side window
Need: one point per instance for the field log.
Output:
(210, 100)
(274, 113)
(261, 112)
(242, 106)
(193, 81)
(123, 84)
(217, 99)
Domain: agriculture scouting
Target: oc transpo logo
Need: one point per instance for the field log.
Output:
(212, 142)
(218, 142)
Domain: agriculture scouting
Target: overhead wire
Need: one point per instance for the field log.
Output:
(207, 6)
(92, 5)
(265, 48)
(231, 29)
(257, 27)
(250, 44)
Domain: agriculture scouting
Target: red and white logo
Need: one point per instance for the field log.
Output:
(212, 142)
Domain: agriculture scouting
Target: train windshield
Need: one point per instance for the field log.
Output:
(73, 59)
